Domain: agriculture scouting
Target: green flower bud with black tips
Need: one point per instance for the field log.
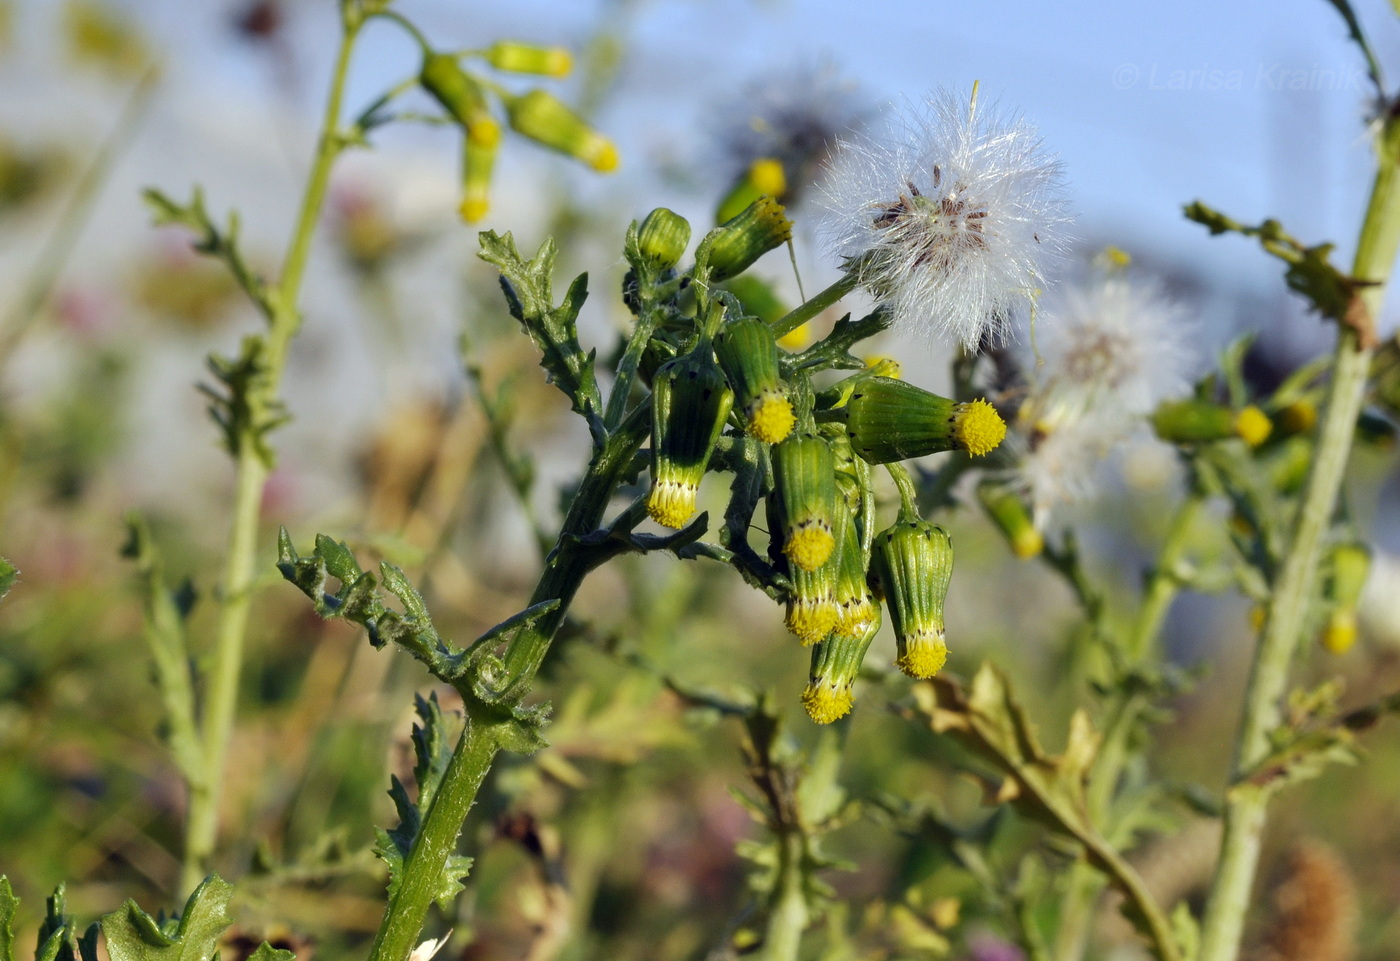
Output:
(1199, 421)
(1351, 565)
(914, 562)
(662, 238)
(811, 606)
(856, 609)
(889, 420)
(1009, 513)
(478, 160)
(748, 353)
(735, 245)
(690, 403)
(804, 479)
(461, 96)
(545, 119)
(836, 662)
(515, 57)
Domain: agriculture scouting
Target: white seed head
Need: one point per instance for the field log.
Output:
(1062, 466)
(1115, 345)
(953, 223)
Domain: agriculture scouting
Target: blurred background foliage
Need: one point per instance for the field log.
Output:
(620, 840)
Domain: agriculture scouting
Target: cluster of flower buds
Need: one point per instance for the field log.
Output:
(729, 372)
(537, 114)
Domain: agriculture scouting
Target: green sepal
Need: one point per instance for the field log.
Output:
(890, 420)
(461, 96)
(662, 238)
(805, 494)
(733, 247)
(748, 353)
(133, 935)
(1193, 421)
(545, 119)
(691, 401)
(913, 561)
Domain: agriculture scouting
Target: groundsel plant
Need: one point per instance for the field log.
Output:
(953, 220)
(789, 470)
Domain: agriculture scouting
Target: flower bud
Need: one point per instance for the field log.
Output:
(1351, 565)
(662, 238)
(764, 177)
(1299, 417)
(914, 562)
(889, 420)
(543, 118)
(461, 96)
(515, 57)
(1009, 513)
(804, 480)
(855, 607)
(735, 245)
(690, 403)
(749, 355)
(478, 160)
(835, 663)
(811, 605)
(1199, 421)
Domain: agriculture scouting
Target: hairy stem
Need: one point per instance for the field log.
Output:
(227, 664)
(1245, 811)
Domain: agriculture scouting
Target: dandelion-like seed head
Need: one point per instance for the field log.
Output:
(954, 224)
(1116, 343)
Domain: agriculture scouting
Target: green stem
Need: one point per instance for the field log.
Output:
(1085, 883)
(1245, 810)
(437, 839)
(819, 302)
(565, 569)
(60, 244)
(226, 668)
(788, 917)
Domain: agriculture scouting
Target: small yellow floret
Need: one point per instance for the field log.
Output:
(924, 655)
(811, 619)
(797, 338)
(1299, 417)
(671, 503)
(978, 427)
(1253, 425)
(883, 367)
(825, 703)
(1257, 617)
(767, 176)
(602, 156)
(855, 616)
(771, 418)
(1027, 543)
(1340, 633)
(558, 62)
(484, 131)
(810, 544)
(473, 209)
